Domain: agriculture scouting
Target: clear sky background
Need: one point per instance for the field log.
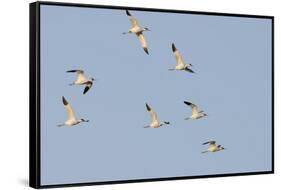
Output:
(232, 84)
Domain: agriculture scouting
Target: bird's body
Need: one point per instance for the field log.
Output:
(71, 120)
(197, 116)
(82, 80)
(180, 66)
(154, 120)
(138, 30)
(135, 29)
(154, 124)
(195, 113)
(213, 147)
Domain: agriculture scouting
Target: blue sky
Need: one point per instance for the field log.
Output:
(232, 84)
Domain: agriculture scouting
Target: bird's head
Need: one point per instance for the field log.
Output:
(83, 120)
(146, 29)
(188, 65)
(221, 147)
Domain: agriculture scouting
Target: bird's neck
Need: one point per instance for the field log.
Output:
(162, 123)
(80, 120)
(144, 29)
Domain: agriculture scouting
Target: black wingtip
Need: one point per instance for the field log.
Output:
(86, 90)
(147, 107)
(187, 103)
(174, 47)
(128, 13)
(64, 101)
(71, 71)
(209, 142)
(189, 70)
(146, 51)
(167, 122)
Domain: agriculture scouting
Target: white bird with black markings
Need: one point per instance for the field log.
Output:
(154, 120)
(82, 80)
(180, 66)
(71, 120)
(138, 30)
(195, 113)
(213, 147)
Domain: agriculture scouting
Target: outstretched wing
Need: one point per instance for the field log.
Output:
(80, 75)
(75, 71)
(132, 19)
(209, 142)
(69, 110)
(143, 42)
(153, 115)
(189, 70)
(89, 84)
(194, 108)
(177, 55)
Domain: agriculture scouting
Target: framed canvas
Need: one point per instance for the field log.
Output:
(117, 94)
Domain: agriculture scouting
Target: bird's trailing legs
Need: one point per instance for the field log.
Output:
(129, 32)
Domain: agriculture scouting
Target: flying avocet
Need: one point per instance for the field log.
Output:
(180, 66)
(195, 114)
(213, 147)
(82, 80)
(136, 29)
(154, 121)
(71, 120)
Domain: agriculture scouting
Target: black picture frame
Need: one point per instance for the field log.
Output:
(34, 93)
